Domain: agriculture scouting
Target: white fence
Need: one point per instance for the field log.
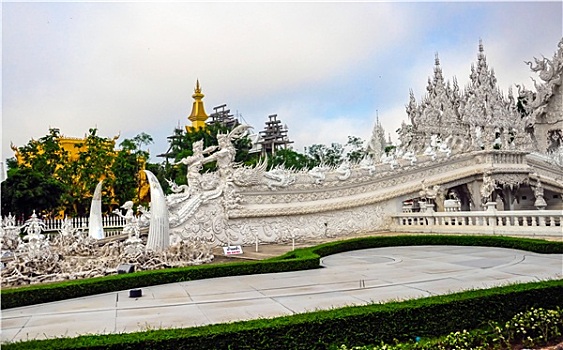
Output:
(515, 223)
(108, 222)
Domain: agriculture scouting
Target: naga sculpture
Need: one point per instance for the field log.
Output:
(279, 177)
(318, 174)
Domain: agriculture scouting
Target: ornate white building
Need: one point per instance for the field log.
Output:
(470, 148)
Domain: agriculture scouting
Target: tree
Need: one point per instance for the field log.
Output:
(324, 155)
(45, 155)
(95, 158)
(130, 182)
(26, 190)
(290, 160)
(71, 177)
(355, 150)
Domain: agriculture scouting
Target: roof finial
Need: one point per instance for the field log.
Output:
(376, 117)
(197, 89)
(436, 60)
(481, 50)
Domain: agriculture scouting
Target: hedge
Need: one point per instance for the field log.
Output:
(358, 325)
(300, 259)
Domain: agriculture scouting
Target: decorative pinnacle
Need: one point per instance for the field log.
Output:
(481, 50)
(436, 60)
(197, 89)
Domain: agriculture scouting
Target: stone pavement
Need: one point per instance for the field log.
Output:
(350, 278)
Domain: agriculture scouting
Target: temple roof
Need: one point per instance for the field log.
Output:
(438, 108)
(483, 103)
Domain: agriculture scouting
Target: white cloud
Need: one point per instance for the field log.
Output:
(131, 67)
(322, 67)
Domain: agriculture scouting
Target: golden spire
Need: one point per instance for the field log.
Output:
(198, 115)
(197, 89)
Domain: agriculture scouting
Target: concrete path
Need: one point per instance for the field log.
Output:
(351, 278)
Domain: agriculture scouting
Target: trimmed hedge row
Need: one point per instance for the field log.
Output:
(359, 325)
(532, 245)
(300, 259)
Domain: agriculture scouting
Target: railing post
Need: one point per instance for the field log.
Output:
(490, 221)
(541, 220)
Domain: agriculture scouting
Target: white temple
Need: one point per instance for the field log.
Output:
(471, 147)
(471, 161)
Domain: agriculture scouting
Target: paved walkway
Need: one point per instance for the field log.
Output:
(351, 278)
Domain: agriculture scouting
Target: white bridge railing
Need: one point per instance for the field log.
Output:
(523, 222)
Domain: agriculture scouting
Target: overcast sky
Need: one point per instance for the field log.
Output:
(326, 68)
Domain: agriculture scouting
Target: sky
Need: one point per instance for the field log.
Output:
(327, 69)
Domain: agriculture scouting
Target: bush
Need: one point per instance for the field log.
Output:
(531, 328)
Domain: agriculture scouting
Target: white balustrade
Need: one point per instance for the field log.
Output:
(522, 222)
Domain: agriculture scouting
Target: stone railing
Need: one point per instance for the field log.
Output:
(524, 222)
(504, 157)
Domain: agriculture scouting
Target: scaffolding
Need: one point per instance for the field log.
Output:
(222, 116)
(274, 136)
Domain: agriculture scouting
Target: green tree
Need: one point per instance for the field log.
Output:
(129, 181)
(290, 160)
(45, 155)
(322, 154)
(71, 180)
(95, 158)
(355, 150)
(26, 190)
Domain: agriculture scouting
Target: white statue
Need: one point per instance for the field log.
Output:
(9, 235)
(430, 152)
(225, 156)
(487, 188)
(445, 149)
(145, 217)
(33, 228)
(279, 177)
(344, 171)
(131, 227)
(367, 164)
(538, 194)
(410, 156)
(427, 193)
(195, 164)
(318, 174)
